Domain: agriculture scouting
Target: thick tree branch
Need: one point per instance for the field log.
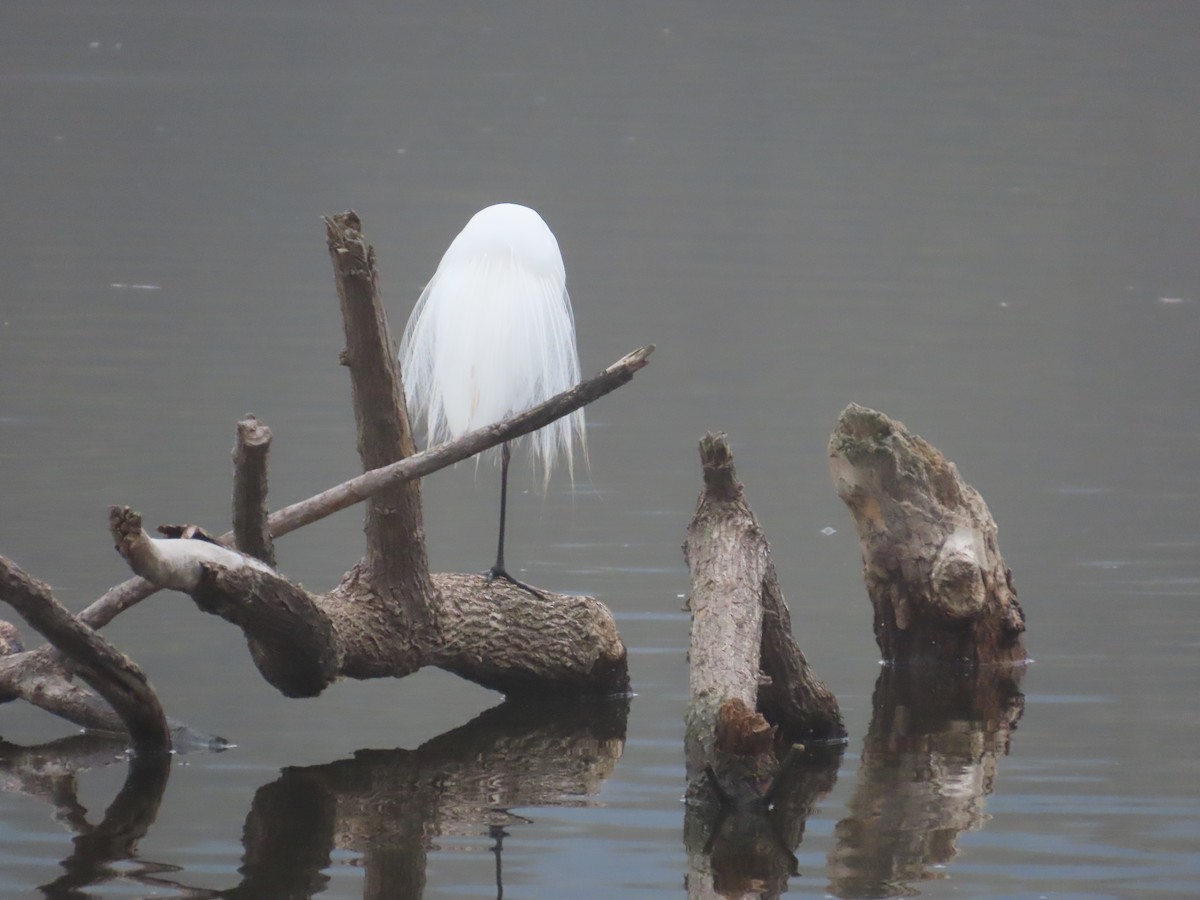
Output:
(395, 557)
(727, 555)
(112, 674)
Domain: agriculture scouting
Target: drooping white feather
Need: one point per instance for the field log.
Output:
(493, 334)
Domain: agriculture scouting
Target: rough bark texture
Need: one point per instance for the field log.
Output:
(395, 559)
(563, 644)
(931, 559)
(727, 555)
(251, 532)
(752, 696)
(791, 696)
(742, 646)
(108, 671)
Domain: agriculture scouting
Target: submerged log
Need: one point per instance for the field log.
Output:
(931, 558)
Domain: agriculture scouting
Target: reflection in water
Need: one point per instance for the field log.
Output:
(388, 805)
(750, 849)
(49, 772)
(928, 761)
(385, 806)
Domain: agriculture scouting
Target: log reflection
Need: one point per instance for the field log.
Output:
(748, 849)
(388, 806)
(928, 763)
(49, 772)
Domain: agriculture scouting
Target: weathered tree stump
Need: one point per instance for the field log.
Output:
(754, 699)
(931, 559)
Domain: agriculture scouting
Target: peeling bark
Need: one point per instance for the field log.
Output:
(931, 558)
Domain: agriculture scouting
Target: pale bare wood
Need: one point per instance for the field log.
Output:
(726, 554)
(251, 533)
(750, 788)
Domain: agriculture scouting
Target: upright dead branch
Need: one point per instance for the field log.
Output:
(753, 697)
(742, 648)
(395, 555)
(251, 532)
(931, 558)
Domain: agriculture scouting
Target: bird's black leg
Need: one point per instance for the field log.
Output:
(498, 570)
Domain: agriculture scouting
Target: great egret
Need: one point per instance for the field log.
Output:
(492, 335)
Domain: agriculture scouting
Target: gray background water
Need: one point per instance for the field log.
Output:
(980, 218)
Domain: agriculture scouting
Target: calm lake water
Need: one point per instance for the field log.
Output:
(979, 218)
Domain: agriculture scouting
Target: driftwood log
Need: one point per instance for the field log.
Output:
(931, 559)
(755, 703)
(389, 616)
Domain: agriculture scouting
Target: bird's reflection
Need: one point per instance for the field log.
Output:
(928, 763)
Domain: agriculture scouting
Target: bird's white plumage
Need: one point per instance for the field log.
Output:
(493, 334)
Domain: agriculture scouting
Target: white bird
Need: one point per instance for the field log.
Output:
(492, 335)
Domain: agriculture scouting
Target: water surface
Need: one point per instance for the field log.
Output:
(978, 218)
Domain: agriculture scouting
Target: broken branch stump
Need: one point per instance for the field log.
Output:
(746, 670)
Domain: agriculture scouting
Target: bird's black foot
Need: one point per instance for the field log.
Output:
(500, 572)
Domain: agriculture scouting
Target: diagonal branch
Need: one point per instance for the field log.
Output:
(112, 674)
(291, 518)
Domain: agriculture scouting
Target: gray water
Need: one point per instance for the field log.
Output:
(979, 218)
